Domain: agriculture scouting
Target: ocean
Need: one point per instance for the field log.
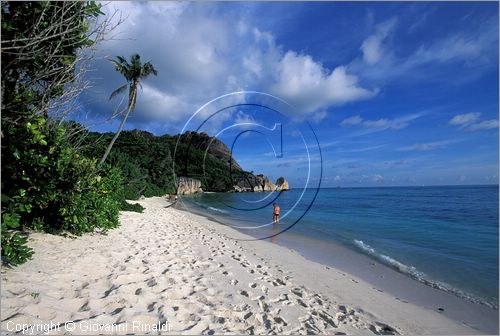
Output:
(443, 236)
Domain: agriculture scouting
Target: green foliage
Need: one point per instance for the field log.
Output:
(280, 181)
(147, 163)
(136, 207)
(52, 187)
(40, 41)
(14, 248)
(144, 164)
(211, 171)
(47, 185)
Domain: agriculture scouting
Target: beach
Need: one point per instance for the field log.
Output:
(172, 272)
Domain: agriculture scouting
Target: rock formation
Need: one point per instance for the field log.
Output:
(259, 183)
(187, 186)
(242, 181)
(282, 184)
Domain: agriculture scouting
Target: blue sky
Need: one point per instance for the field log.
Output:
(396, 93)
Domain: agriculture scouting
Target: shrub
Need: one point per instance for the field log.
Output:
(51, 187)
(14, 249)
(136, 207)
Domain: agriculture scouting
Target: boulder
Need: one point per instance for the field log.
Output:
(263, 184)
(187, 186)
(282, 184)
(257, 188)
(259, 183)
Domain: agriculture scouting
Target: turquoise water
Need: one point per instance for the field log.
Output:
(444, 236)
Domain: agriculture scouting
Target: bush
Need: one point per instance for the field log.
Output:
(52, 188)
(136, 207)
(14, 249)
(47, 185)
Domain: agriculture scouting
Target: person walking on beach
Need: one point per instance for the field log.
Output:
(276, 213)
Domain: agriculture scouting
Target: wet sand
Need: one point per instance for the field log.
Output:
(401, 286)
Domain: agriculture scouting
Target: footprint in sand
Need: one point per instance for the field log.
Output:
(151, 282)
(278, 282)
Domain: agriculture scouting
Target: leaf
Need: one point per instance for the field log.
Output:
(118, 91)
(6, 198)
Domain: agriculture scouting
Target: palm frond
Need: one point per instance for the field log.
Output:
(122, 59)
(148, 69)
(121, 68)
(118, 91)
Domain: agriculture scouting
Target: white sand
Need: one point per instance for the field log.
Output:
(184, 272)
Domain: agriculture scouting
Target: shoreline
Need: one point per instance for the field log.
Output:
(307, 245)
(382, 277)
(175, 266)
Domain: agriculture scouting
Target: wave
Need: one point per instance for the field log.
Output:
(217, 209)
(420, 276)
(388, 260)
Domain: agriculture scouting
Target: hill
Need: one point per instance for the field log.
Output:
(148, 162)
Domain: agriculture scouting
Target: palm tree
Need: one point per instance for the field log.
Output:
(133, 72)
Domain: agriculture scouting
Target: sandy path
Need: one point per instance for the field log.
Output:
(178, 272)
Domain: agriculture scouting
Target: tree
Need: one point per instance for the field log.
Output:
(46, 183)
(45, 49)
(133, 72)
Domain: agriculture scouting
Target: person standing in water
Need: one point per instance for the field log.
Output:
(276, 213)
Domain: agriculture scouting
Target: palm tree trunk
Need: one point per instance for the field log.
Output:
(129, 109)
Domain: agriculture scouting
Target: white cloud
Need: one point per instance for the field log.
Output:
(463, 119)
(319, 116)
(377, 123)
(470, 122)
(362, 149)
(244, 121)
(486, 124)
(309, 86)
(381, 124)
(473, 48)
(243, 118)
(372, 47)
(158, 105)
(351, 121)
(201, 54)
(454, 47)
(428, 146)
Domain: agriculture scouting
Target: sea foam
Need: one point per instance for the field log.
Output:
(419, 276)
(216, 209)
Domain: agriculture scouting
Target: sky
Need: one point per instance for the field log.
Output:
(351, 94)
